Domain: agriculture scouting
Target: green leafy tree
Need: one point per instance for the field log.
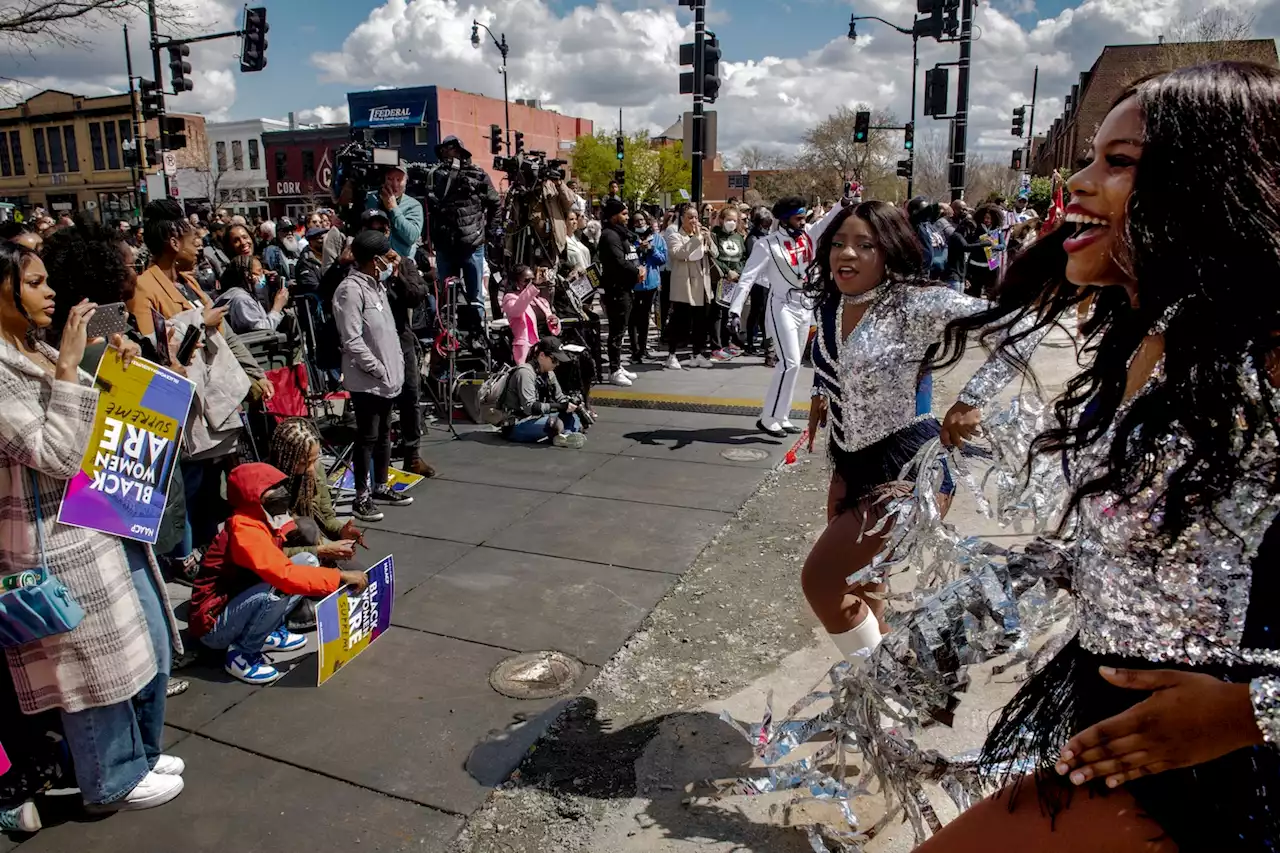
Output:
(650, 170)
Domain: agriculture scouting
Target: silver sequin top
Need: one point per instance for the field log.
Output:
(1141, 596)
(870, 378)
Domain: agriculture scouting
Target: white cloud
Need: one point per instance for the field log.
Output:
(324, 115)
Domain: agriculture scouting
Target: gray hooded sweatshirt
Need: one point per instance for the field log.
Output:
(372, 360)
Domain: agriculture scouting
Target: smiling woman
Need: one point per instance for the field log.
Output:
(1167, 701)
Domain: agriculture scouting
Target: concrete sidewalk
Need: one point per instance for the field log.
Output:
(511, 549)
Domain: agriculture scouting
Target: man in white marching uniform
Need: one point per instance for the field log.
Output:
(780, 262)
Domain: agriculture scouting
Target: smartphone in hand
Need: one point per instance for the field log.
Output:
(107, 320)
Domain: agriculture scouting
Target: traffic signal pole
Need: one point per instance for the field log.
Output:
(699, 39)
(159, 78)
(139, 150)
(959, 140)
(911, 152)
(1031, 119)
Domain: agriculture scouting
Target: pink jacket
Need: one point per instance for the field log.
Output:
(521, 312)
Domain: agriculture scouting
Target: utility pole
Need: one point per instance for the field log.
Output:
(959, 147)
(159, 80)
(1031, 122)
(699, 38)
(139, 149)
(911, 152)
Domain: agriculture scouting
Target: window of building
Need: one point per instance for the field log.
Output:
(95, 143)
(422, 136)
(282, 165)
(53, 138)
(112, 144)
(221, 155)
(15, 151)
(69, 143)
(126, 129)
(237, 155)
(393, 138)
(42, 153)
(6, 168)
(254, 162)
(308, 165)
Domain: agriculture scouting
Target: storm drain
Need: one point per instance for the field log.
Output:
(536, 675)
(744, 454)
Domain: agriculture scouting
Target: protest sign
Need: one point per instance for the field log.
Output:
(123, 482)
(344, 480)
(347, 623)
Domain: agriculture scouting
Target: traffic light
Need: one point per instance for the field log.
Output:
(152, 99)
(153, 154)
(175, 133)
(179, 68)
(1019, 116)
(931, 26)
(519, 143)
(909, 135)
(621, 148)
(904, 168)
(1016, 164)
(495, 139)
(862, 127)
(620, 176)
(935, 92)
(253, 49)
(952, 24)
(710, 68)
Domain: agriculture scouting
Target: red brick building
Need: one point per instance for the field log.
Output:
(1087, 104)
(299, 166)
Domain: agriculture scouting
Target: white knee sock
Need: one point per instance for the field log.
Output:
(864, 635)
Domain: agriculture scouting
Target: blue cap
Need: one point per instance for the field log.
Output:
(316, 232)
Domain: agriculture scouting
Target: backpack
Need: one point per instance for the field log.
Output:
(491, 393)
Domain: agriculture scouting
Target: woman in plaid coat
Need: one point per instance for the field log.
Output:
(108, 675)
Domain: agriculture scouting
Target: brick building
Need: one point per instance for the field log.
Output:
(65, 152)
(415, 119)
(1069, 136)
(299, 168)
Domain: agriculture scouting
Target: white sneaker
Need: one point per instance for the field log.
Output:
(701, 361)
(169, 765)
(619, 377)
(154, 790)
(673, 363)
(629, 374)
(571, 440)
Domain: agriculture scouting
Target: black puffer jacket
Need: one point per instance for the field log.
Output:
(461, 200)
(619, 262)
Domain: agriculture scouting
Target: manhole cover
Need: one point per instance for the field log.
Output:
(535, 675)
(744, 454)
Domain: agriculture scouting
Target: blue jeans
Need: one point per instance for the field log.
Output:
(113, 747)
(250, 617)
(535, 429)
(470, 266)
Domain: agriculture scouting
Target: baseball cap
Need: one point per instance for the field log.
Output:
(374, 213)
(551, 345)
(312, 233)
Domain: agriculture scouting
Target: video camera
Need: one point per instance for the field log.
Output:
(530, 168)
(364, 166)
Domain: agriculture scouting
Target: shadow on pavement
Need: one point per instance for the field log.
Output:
(715, 435)
(659, 760)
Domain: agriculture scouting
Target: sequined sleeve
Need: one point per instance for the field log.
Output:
(1265, 693)
(995, 373)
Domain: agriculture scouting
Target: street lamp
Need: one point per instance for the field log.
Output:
(501, 45)
(915, 64)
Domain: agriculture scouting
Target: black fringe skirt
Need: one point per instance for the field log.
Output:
(870, 472)
(1229, 804)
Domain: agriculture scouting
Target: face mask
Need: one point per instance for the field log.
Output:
(261, 282)
(275, 504)
(730, 227)
(794, 232)
(385, 274)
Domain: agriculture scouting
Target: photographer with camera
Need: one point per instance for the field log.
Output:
(620, 271)
(535, 406)
(462, 200)
(404, 212)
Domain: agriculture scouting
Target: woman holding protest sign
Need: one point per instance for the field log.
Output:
(107, 674)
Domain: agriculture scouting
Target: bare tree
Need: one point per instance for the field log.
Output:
(62, 21)
(932, 163)
(830, 145)
(1211, 35)
(754, 157)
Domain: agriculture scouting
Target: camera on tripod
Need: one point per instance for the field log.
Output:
(364, 166)
(530, 168)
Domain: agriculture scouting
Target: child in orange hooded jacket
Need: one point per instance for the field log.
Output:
(246, 585)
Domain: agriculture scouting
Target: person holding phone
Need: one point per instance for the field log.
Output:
(689, 252)
(252, 304)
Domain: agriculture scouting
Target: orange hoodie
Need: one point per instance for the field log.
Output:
(248, 552)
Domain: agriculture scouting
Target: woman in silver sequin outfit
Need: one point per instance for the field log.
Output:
(1165, 706)
(878, 318)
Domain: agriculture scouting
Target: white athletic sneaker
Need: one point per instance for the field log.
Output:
(169, 765)
(619, 377)
(571, 440)
(701, 361)
(673, 363)
(629, 374)
(154, 790)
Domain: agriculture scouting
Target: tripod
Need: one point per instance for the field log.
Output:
(448, 343)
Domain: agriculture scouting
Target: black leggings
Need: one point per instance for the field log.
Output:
(641, 314)
(688, 323)
(373, 439)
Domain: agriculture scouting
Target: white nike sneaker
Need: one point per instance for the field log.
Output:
(154, 790)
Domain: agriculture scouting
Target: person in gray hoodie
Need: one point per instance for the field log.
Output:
(372, 366)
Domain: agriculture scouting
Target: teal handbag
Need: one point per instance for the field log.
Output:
(31, 613)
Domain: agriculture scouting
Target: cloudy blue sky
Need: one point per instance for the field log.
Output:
(788, 62)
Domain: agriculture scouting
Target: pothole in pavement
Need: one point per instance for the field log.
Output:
(536, 675)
